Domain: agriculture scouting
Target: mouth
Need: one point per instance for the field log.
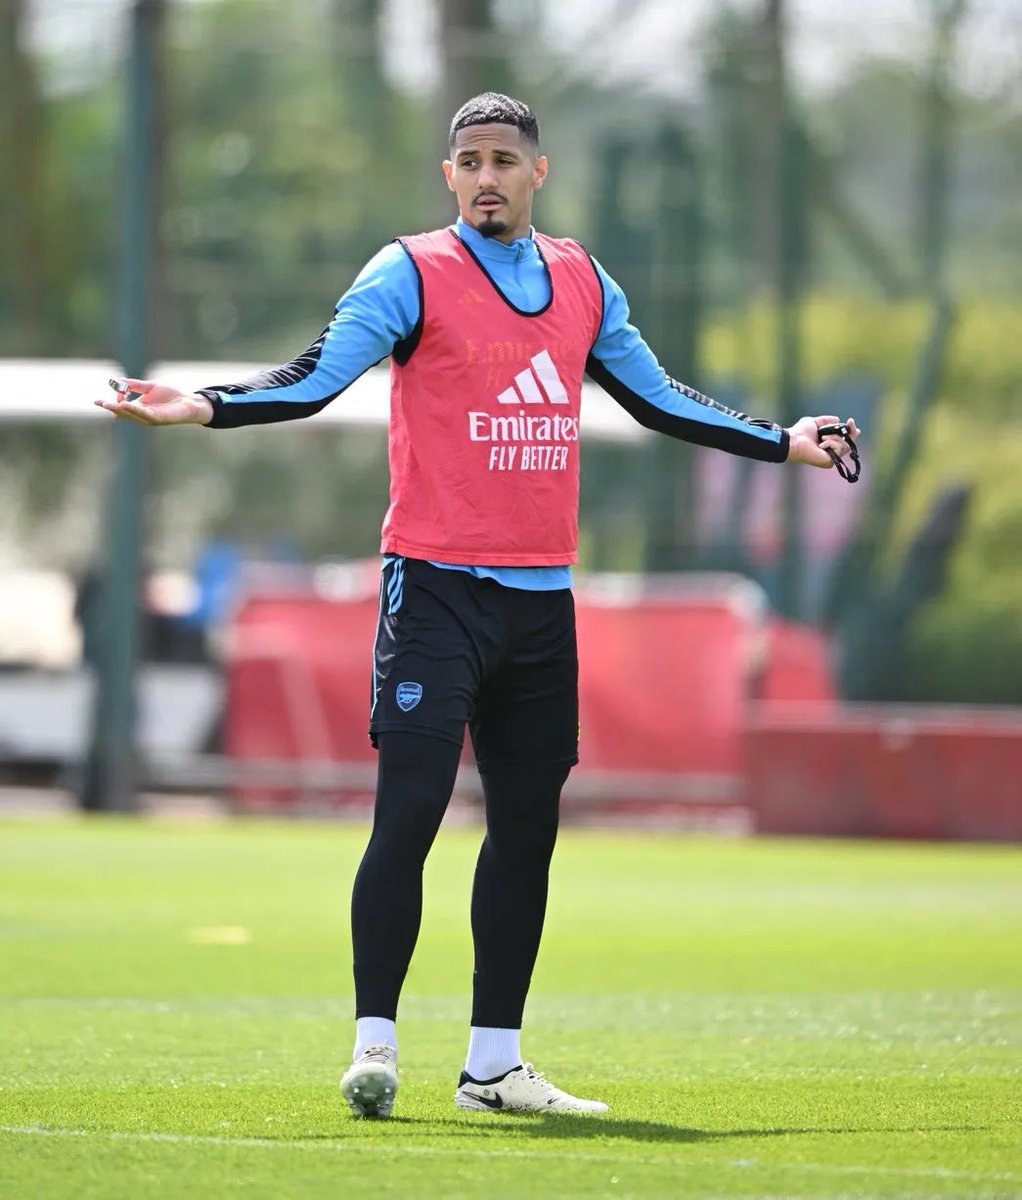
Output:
(488, 203)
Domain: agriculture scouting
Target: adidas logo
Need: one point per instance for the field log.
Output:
(528, 441)
(527, 390)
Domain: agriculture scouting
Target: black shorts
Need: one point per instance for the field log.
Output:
(453, 650)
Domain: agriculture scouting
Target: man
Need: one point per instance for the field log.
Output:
(490, 327)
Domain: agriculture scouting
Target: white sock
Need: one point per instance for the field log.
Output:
(492, 1052)
(373, 1031)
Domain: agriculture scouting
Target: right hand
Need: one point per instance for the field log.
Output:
(805, 446)
(157, 404)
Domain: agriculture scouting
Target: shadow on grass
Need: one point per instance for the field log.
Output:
(573, 1125)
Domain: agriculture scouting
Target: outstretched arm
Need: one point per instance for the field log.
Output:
(625, 367)
(378, 311)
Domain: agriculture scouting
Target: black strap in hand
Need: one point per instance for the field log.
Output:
(842, 431)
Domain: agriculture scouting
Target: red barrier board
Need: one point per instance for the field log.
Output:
(664, 672)
(886, 772)
(665, 675)
(796, 665)
(662, 684)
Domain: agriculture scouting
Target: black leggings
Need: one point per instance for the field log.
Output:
(416, 777)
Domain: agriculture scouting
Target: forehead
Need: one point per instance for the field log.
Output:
(495, 136)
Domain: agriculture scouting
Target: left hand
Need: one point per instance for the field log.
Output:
(804, 443)
(156, 404)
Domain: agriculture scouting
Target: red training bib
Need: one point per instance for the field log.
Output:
(484, 420)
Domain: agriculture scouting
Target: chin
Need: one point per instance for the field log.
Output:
(491, 226)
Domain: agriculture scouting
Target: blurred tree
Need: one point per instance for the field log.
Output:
(288, 170)
(857, 582)
(875, 646)
(473, 52)
(45, 261)
(292, 158)
(786, 183)
(935, 159)
(659, 264)
(873, 129)
(356, 52)
(26, 255)
(734, 115)
(676, 265)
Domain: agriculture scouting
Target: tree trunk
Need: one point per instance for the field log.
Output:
(472, 58)
(25, 185)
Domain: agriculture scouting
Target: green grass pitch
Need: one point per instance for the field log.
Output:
(765, 1018)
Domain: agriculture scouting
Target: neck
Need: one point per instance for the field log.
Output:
(510, 235)
(507, 236)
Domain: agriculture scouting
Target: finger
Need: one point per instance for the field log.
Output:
(119, 408)
(828, 420)
(130, 410)
(127, 388)
(139, 412)
(138, 416)
(813, 454)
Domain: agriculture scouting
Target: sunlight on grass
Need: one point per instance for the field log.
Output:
(764, 1018)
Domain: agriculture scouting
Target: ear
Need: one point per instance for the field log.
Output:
(448, 174)
(539, 170)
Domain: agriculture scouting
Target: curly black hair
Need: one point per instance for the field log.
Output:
(494, 108)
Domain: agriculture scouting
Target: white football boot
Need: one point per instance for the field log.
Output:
(370, 1084)
(523, 1089)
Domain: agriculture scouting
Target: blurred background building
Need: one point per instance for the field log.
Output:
(812, 207)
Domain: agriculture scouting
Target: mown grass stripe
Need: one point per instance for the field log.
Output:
(194, 1139)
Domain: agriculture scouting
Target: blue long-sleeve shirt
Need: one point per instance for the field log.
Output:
(382, 308)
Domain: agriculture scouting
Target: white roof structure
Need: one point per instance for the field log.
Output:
(60, 389)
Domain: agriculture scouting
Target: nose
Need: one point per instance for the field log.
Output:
(487, 177)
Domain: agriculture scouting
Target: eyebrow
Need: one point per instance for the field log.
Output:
(497, 150)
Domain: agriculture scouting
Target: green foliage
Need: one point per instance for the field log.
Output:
(290, 157)
(845, 334)
(74, 194)
(81, 234)
(967, 644)
(286, 171)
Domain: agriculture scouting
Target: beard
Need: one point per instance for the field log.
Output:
(491, 226)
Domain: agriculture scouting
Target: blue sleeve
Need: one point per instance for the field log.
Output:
(374, 316)
(625, 367)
